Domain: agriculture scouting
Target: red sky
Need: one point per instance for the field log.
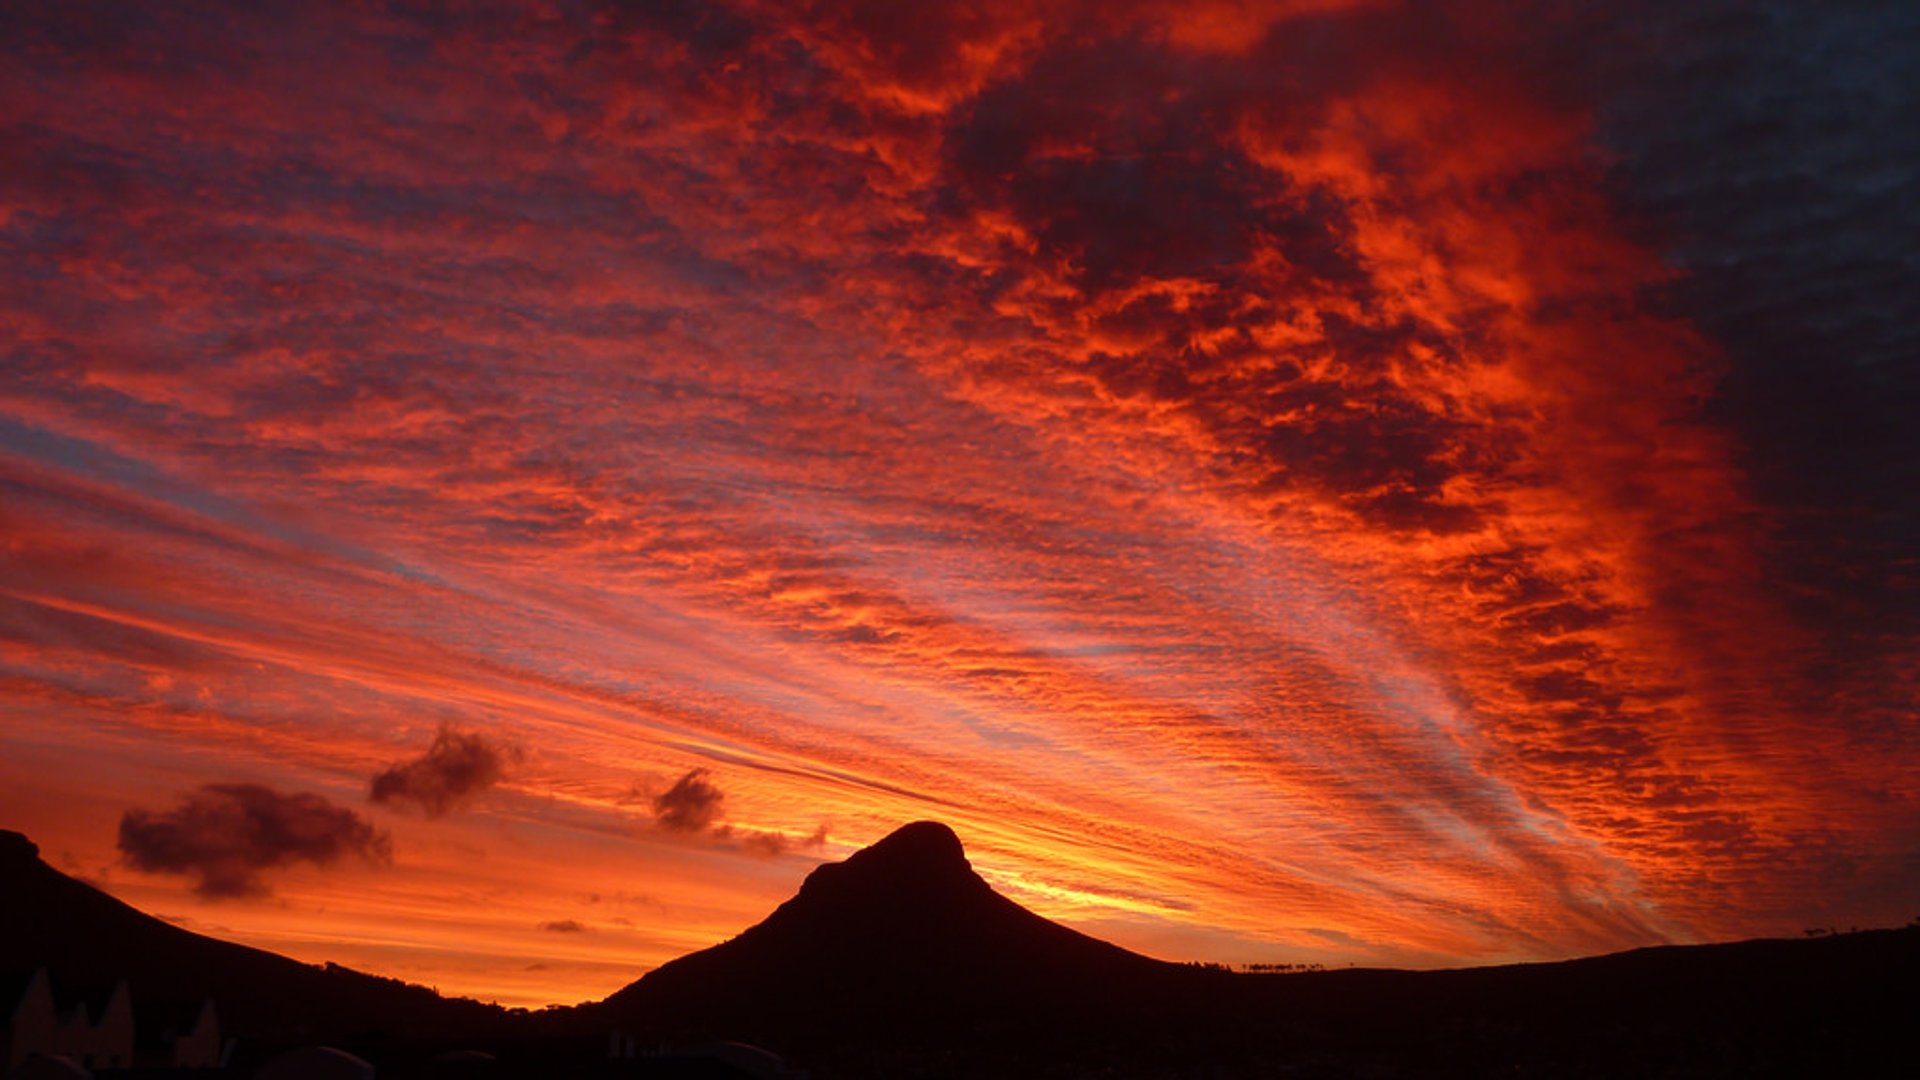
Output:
(1281, 479)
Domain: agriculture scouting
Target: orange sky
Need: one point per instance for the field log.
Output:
(1227, 461)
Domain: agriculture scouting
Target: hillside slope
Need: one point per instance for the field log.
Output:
(88, 939)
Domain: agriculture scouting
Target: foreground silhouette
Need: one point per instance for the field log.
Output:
(901, 962)
(87, 940)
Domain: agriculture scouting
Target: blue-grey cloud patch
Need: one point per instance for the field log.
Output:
(1771, 148)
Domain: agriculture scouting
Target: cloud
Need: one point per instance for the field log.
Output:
(773, 843)
(458, 766)
(565, 926)
(226, 835)
(692, 804)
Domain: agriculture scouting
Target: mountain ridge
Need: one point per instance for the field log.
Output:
(902, 961)
(87, 937)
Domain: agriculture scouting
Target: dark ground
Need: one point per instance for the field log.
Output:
(900, 963)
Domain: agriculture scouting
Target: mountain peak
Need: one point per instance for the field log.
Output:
(903, 928)
(16, 848)
(923, 860)
(923, 843)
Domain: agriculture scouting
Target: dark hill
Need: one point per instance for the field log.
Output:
(87, 939)
(902, 935)
(901, 961)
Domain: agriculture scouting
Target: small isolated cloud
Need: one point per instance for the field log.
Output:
(565, 926)
(227, 835)
(692, 804)
(458, 766)
(771, 843)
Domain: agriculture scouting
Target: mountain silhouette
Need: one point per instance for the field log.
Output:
(902, 962)
(900, 948)
(900, 930)
(87, 939)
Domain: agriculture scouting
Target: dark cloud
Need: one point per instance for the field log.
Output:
(772, 843)
(226, 835)
(1117, 162)
(692, 804)
(1785, 191)
(565, 926)
(458, 766)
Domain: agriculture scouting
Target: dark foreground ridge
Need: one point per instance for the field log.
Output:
(902, 962)
(88, 940)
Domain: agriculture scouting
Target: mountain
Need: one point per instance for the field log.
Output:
(88, 940)
(900, 928)
(900, 952)
(901, 961)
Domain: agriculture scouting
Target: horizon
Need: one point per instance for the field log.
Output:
(494, 498)
(1224, 966)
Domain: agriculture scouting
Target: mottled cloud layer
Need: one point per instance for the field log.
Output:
(227, 836)
(1318, 480)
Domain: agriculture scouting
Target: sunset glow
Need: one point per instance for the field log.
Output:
(1253, 469)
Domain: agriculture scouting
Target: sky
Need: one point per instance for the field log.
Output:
(493, 495)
